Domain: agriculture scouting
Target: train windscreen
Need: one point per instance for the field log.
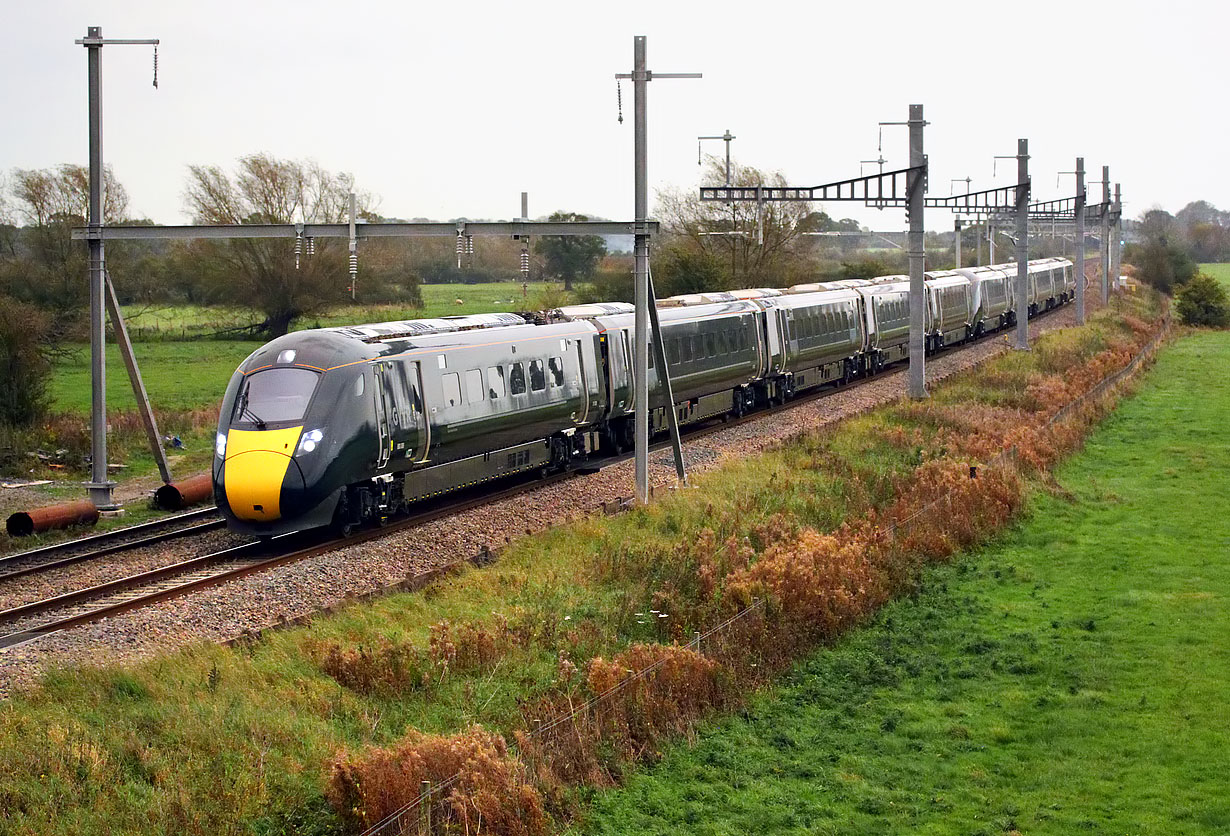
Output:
(274, 396)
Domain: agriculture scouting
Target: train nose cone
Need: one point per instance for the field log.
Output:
(256, 470)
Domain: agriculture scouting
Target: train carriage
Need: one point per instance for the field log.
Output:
(716, 353)
(990, 298)
(820, 337)
(949, 308)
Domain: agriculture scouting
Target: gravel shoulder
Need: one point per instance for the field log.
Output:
(266, 599)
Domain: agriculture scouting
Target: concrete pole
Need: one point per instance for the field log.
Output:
(1022, 245)
(99, 487)
(640, 88)
(1105, 250)
(1080, 241)
(978, 233)
(525, 206)
(1116, 235)
(917, 382)
(957, 240)
(990, 241)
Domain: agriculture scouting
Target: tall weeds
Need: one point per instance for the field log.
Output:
(911, 484)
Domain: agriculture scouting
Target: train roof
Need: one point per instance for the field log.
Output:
(589, 311)
(380, 331)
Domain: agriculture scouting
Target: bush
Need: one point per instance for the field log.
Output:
(23, 362)
(1203, 302)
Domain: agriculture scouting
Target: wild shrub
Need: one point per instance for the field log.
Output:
(489, 793)
(384, 667)
(1203, 303)
(23, 363)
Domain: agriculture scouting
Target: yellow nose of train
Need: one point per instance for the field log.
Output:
(255, 468)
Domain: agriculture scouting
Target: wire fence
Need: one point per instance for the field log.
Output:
(417, 813)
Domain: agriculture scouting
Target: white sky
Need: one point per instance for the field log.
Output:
(452, 109)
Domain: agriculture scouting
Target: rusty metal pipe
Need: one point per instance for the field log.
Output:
(25, 523)
(175, 496)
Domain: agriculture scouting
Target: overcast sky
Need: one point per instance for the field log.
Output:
(452, 109)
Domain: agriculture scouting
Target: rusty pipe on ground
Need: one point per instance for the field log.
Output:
(175, 496)
(25, 523)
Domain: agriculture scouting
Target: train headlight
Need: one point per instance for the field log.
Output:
(220, 445)
(310, 440)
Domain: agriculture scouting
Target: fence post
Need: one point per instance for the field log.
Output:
(425, 794)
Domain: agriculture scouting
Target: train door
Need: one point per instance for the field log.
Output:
(583, 380)
(404, 431)
(383, 423)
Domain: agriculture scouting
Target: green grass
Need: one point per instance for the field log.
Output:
(1072, 678)
(1221, 272)
(177, 375)
(180, 322)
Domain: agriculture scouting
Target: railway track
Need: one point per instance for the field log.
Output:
(23, 624)
(150, 533)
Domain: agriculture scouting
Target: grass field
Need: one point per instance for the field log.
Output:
(1072, 678)
(161, 322)
(177, 375)
(1221, 272)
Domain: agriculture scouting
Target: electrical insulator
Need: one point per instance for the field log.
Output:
(311, 246)
(460, 249)
(525, 262)
(298, 249)
(469, 245)
(354, 265)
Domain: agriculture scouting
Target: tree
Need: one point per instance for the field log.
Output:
(263, 274)
(570, 257)
(1203, 302)
(1161, 256)
(23, 362)
(45, 266)
(755, 246)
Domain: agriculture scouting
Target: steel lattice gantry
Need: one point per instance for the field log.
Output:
(904, 188)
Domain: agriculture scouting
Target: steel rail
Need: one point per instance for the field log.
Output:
(113, 534)
(185, 531)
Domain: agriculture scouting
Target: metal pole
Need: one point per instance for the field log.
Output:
(1116, 236)
(1105, 248)
(525, 206)
(1080, 240)
(138, 385)
(640, 89)
(978, 233)
(957, 239)
(1022, 245)
(99, 487)
(726, 137)
(664, 377)
(990, 241)
(917, 382)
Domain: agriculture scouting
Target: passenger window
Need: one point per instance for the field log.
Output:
(516, 379)
(672, 351)
(452, 389)
(685, 345)
(538, 379)
(711, 345)
(495, 382)
(556, 366)
(698, 346)
(474, 386)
